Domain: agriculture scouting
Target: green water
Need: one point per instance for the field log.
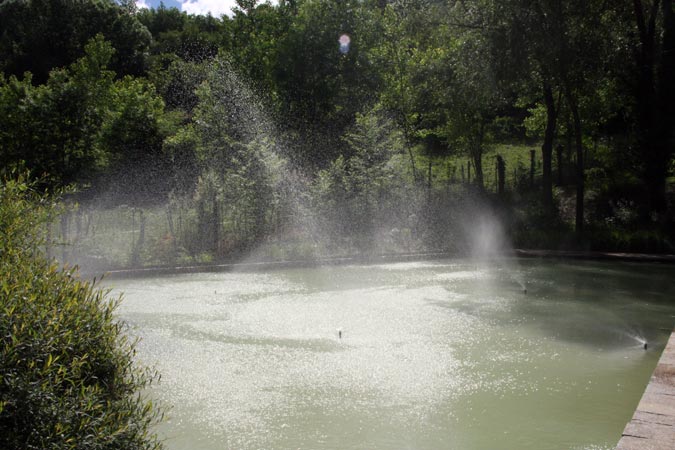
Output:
(433, 355)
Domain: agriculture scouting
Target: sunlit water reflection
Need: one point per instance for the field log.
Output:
(433, 355)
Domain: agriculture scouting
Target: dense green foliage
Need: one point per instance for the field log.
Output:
(41, 35)
(82, 125)
(322, 126)
(67, 370)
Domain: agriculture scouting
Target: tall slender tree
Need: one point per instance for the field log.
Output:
(655, 94)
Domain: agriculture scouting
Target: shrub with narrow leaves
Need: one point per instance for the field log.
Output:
(67, 374)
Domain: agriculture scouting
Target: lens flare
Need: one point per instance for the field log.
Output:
(344, 41)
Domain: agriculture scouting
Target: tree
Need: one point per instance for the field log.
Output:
(584, 40)
(53, 128)
(41, 35)
(178, 83)
(238, 167)
(321, 87)
(559, 46)
(439, 80)
(528, 37)
(132, 134)
(655, 94)
(398, 54)
(358, 195)
(474, 97)
(82, 126)
(374, 140)
(162, 20)
(191, 38)
(263, 27)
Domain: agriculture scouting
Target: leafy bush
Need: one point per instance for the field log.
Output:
(613, 238)
(67, 371)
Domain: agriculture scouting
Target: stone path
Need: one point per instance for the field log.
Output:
(653, 424)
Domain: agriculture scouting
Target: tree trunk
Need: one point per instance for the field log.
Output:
(574, 108)
(450, 175)
(665, 90)
(501, 175)
(477, 156)
(429, 183)
(137, 245)
(412, 162)
(532, 166)
(478, 169)
(547, 147)
(655, 96)
(559, 153)
(169, 220)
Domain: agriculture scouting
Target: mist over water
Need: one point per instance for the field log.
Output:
(486, 236)
(440, 354)
(240, 193)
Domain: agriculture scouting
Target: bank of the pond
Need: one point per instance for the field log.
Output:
(268, 265)
(372, 259)
(597, 256)
(653, 424)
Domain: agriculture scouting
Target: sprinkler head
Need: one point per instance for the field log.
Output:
(524, 291)
(644, 346)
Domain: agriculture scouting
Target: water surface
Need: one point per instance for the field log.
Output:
(433, 355)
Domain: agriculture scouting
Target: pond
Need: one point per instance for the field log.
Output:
(518, 354)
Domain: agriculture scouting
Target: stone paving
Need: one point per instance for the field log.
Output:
(653, 424)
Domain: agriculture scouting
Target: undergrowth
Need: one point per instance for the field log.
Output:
(69, 380)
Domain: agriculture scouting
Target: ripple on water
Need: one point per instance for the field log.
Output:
(254, 361)
(280, 354)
